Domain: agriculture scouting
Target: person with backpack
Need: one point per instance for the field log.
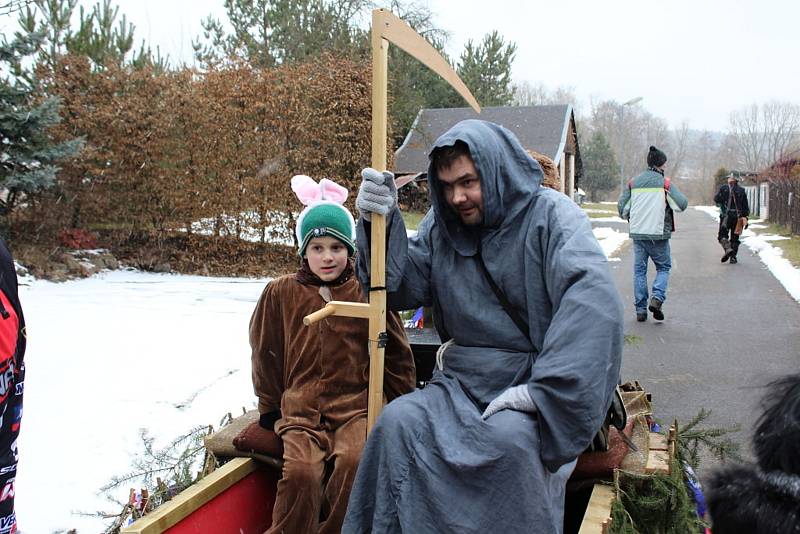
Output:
(648, 204)
(734, 211)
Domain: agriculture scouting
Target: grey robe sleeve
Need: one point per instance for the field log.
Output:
(578, 367)
(408, 261)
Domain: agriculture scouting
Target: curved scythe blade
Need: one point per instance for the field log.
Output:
(397, 32)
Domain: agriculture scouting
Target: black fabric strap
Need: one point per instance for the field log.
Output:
(522, 325)
(731, 198)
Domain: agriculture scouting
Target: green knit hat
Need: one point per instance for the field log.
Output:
(329, 219)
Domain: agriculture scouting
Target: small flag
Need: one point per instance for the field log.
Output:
(417, 321)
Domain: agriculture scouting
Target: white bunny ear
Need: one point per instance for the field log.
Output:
(306, 189)
(333, 191)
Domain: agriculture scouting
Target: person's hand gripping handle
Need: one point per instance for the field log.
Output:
(377, 193)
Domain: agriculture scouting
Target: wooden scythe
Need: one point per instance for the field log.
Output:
(386, 28)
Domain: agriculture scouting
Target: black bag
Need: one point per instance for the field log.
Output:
(616, 415)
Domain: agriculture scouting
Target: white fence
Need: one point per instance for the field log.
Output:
(758, 199)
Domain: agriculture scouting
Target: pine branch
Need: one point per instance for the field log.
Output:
(692, 439)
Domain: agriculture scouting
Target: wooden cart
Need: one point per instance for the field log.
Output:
(237, 498)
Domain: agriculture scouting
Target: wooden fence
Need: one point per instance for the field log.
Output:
(784, 203)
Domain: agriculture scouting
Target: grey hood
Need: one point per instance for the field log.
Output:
(510, 178)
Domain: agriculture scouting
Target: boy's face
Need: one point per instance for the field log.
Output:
(461, 185)
(327, 257)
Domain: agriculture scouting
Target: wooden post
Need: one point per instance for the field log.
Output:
(571, 174)
(377, 297)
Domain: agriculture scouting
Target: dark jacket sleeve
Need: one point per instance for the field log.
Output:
(267, 342)
(399, 371)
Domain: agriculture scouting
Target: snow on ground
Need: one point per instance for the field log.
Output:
(109, 355)
(772, 257)
(614, 219)
(611, 240)
(249, 231)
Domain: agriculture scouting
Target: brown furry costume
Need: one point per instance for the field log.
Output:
(318, 376)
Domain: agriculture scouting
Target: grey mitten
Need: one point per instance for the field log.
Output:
(377, 193)
(514, 398)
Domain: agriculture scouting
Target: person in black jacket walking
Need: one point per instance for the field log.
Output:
(732, 202)
(12, 380)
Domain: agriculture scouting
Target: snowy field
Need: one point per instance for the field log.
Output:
(112, 354)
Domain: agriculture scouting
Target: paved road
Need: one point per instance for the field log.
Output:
(728, 330)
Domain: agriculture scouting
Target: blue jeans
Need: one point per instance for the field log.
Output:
(658, 251)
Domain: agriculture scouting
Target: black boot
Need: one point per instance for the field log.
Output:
(726, 246)
(641, 316)
(655, 308)
(733, 259)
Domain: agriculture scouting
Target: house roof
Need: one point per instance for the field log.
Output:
(540, 128)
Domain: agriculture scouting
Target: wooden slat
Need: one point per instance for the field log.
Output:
(339, 308)
(193, 497)
(597, 517)
(657, 462)
(658, 442)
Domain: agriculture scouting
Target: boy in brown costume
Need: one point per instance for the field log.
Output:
(312, 381)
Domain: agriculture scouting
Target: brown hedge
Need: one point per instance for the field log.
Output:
(165, 150)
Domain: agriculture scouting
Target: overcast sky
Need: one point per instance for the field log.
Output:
(689, 59)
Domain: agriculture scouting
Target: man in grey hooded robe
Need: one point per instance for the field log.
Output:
(489, 443)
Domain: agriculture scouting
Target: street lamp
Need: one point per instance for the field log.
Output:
(630, 102)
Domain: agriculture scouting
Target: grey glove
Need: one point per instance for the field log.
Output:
(377, 193)
(514, 398)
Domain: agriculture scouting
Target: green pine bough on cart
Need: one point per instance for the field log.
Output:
(663, 503)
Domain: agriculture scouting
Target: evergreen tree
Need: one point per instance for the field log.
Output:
(600, 168)
(486, 70)
(27, 153)
(98, 38)
(51, 19)
(273, 32)
(99, 35)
